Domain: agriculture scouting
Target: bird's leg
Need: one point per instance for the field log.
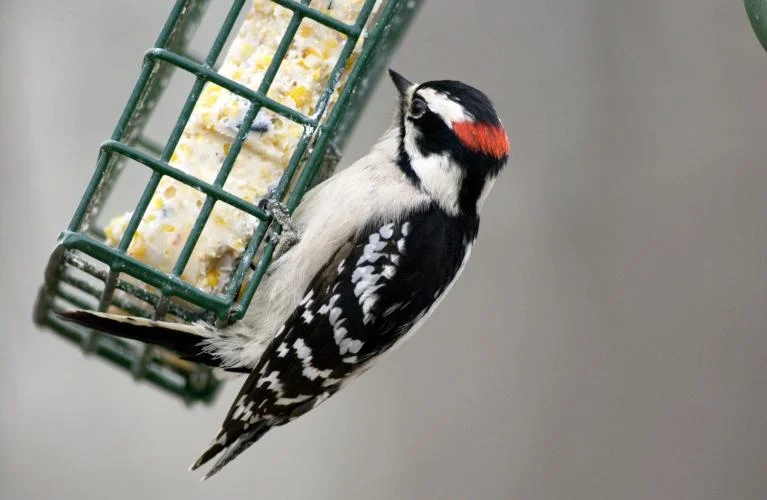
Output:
(280, 214)
(289, 235)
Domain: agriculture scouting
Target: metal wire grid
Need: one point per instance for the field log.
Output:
(84, 272)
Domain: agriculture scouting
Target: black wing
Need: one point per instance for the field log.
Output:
(376, 286)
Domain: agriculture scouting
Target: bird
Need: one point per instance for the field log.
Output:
(380, 244)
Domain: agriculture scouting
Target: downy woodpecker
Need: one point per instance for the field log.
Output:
(381, 242)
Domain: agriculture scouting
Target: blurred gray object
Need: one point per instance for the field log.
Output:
(606, 341)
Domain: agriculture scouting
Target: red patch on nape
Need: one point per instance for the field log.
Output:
(483, 138)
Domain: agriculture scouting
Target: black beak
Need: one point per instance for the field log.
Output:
(400, 82)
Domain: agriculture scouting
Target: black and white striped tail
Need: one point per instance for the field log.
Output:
(228, 448)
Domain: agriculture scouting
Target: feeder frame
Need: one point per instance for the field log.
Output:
(83, 272)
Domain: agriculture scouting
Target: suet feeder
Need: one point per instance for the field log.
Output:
(87, 270)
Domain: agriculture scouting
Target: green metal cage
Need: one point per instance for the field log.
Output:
(83, 272)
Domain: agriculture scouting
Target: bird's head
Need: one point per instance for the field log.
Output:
(451, 142)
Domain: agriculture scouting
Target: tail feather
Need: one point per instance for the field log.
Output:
(186, 340)
(229, 450)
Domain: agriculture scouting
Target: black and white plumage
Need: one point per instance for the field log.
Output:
(381, 243)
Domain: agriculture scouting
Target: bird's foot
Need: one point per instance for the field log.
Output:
(289, 234)
(281, 215)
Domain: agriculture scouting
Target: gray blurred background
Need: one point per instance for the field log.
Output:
(607, 341)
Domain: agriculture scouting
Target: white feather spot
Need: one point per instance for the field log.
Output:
(305, 355)
(335, 313)
(302, 350)
(308, 317)
(371, 248)
(242, 406)
(365, 288)
(367, 307)
(373, 258)
(334, 299)
(325, 308)
(389, 272)
(290, 401)
(387, 231)
(282, 350)
(313, 373)
(362, 272)
(355, 346)
(350, 345)
(339, 333)
(273, 380)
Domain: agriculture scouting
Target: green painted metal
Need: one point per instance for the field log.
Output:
(83, 272)
(757, 14)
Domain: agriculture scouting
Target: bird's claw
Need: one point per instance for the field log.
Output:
(289, 235)
(281, 215)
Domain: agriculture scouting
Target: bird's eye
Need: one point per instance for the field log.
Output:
(418, 108)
